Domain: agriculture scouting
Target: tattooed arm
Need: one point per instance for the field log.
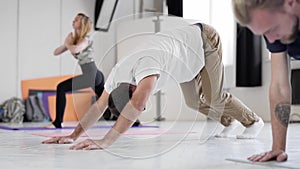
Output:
(279, 120)
(280, 100)
(280, 103)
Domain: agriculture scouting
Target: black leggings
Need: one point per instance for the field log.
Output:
(90, 77)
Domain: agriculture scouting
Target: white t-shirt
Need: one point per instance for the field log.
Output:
(176, 54)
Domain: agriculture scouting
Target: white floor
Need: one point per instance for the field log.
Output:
(184, 146)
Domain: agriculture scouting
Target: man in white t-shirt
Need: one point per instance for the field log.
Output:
(192, 56)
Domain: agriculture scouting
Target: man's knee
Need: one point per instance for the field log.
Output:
(192, 104)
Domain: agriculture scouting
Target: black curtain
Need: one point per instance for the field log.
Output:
(97, 10)
(248, 58)
(175, 7)
(295, 82)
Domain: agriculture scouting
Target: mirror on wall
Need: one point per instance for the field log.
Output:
(104, 12)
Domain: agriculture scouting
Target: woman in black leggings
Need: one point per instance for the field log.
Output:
(80, 46)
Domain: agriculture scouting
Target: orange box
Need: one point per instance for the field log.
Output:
(48, 83)
(76, 104)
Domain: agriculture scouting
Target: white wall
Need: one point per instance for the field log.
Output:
(9, 60)
(38, 34)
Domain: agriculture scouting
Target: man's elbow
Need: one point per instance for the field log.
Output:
(138, 104)
(280, 93)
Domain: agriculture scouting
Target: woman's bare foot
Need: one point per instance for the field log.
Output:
(50, 126)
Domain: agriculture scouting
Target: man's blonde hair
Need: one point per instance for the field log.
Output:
(242, 8)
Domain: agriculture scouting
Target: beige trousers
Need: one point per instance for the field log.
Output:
(205, 93)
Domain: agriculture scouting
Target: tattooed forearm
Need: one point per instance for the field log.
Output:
(282, 113)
